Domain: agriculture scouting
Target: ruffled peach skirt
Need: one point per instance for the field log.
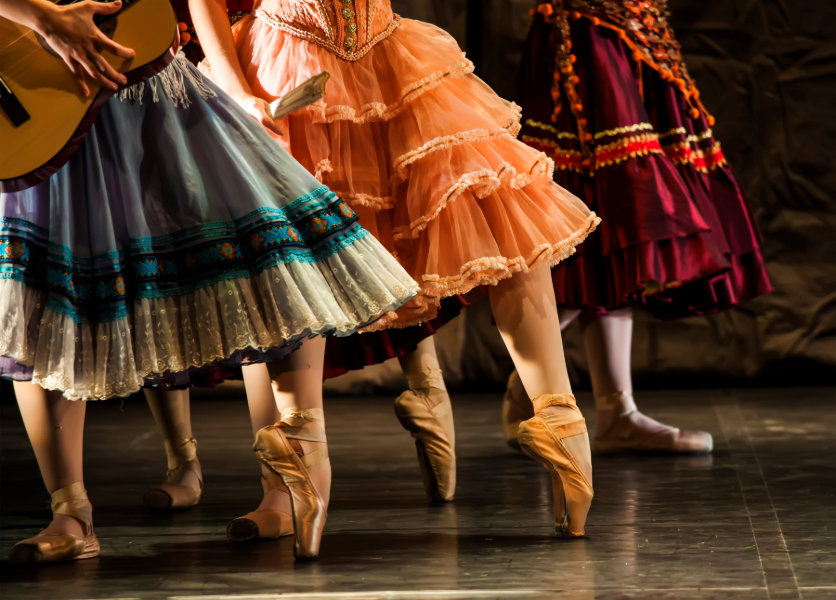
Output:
(425, 153)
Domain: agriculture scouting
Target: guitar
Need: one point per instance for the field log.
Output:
(43, 117)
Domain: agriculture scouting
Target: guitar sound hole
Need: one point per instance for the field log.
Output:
(108, 27)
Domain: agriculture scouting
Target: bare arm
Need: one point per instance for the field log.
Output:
(71, 32)
(212, 27)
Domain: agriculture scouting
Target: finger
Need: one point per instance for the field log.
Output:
(108, 44)
(106, 69)
(105, 8)
(95, 74)
(78, 75)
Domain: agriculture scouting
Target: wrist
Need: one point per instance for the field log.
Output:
(44, 15)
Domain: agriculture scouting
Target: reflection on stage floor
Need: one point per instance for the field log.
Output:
(757, 519)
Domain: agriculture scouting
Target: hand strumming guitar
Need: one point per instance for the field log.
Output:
(71, 32)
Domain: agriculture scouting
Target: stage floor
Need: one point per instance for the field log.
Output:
(757, 519)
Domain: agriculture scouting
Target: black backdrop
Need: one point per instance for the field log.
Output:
(766, 70)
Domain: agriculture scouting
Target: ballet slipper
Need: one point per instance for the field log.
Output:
(556, 438)
(263, 523)
(61, 547)
(621, 428)
(183, 483)
(274, 448)
(426, 412)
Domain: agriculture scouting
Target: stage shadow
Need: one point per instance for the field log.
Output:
(359, 551)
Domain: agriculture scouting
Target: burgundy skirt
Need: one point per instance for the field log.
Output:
(677, 236)
(365, 349)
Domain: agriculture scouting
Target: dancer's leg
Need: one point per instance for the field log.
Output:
(286, 395)
(426, 412)
(183, 483)
(297, 386)
(55, 427)
(516, 405)
(608, 340)
(526, 314)
(620, 426)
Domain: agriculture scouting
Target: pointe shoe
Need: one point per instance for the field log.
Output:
(516, 408)
(72, 501)
(622, 428)
(263, 524)
(426, 412)
(544, 438)
(183, 483)
(309, 511)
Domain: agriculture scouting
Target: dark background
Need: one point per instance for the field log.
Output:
(765, 70)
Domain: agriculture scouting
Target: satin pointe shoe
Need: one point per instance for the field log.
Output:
(263, 524)
(621, 428)
(71, 501)
(516, 408)
(183, 483)
(274, 449)
(556, 438)
(426, 412)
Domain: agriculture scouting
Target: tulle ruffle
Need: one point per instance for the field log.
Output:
(414, 59)
(279, 306)
(426, 154)
(179, 239)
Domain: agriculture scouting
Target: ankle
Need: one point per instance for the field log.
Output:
(304, 425)
(617, 403)
(554, 402)
(65, 524)
(180, 452)
(428, 382)
(71, 509)
(611, 409)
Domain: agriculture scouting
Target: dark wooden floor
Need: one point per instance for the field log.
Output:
(755, 520)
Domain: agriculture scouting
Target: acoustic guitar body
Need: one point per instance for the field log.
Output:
(34, 148)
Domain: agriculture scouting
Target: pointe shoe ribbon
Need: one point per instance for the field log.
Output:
(73, 502)
(622, 428)
(426, 412)
(276, 453)
(263, 524)
(295, 424)
(543, 438)
(175, 493)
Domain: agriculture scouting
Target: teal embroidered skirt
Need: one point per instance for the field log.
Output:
(178, 237)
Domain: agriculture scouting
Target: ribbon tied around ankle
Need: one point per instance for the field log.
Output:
(307, 425)
(73, 502)
(546, 400)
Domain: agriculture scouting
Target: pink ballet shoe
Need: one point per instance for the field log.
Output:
(263, 524)
(277, 447)
(45, 547)
(552, 437)
(622, 428)
(183, 483)
(426, 412)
